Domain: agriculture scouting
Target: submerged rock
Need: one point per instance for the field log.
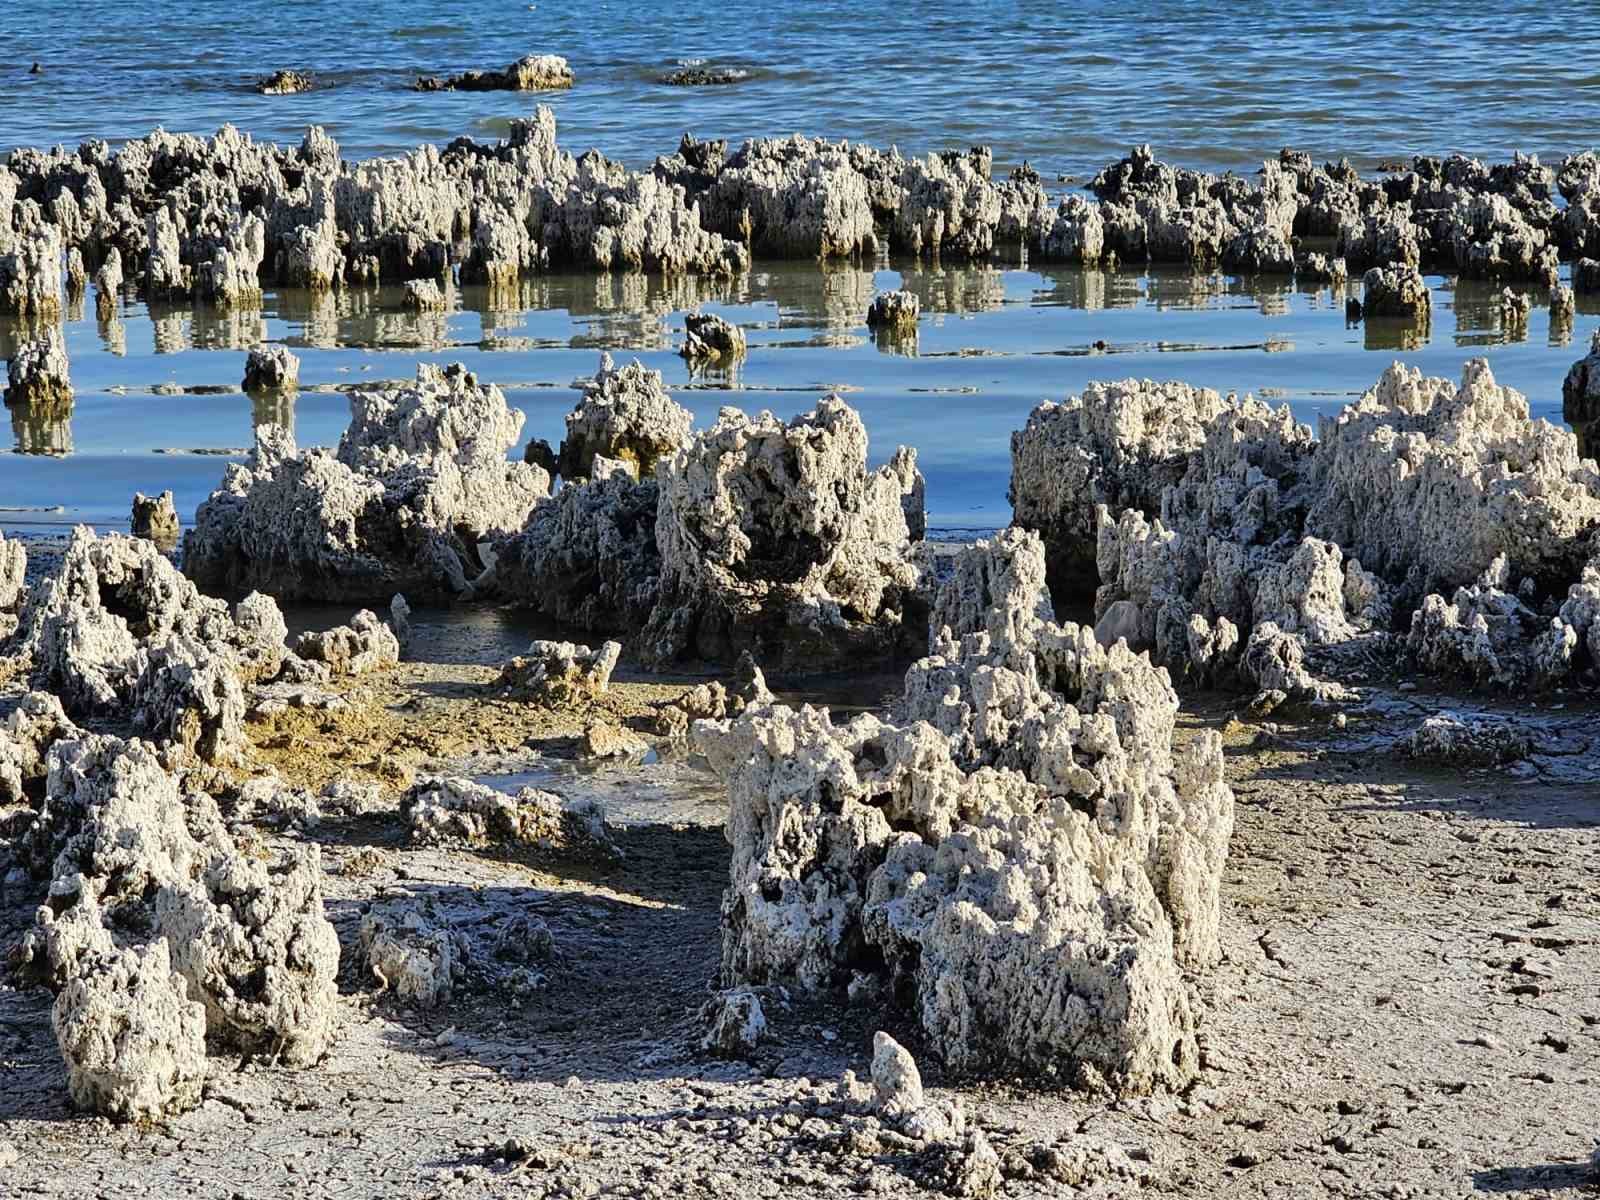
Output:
(419, 482)
(776, 539)
(894, 312)
(285, 83)
(531, 73)
(709, 337)
(271, 369)
(906, 842)
(155, 519)
(38, 374)
(1394, 292)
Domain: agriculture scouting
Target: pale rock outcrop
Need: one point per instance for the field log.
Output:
(735, 1023)
(531, 73)
(708, 337)
(413, 958)
(423, 295)
(1489, 636)
(715, 700)
(418, 484)
(38, 373)
(559, 672)
(894, 312)
(271, 369)
(1395, 292)
(1452, 740)
(775, 538)
(13, 583)
(626, 415)
(30, 268)
(26, 735)
(366, 644)
(1119, 444)
(792, 198)
(1017, 844)
(155, 518)
(440, 810)
(133, 1040)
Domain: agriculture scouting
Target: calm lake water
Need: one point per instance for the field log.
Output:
(158, 401)
(1069, 87)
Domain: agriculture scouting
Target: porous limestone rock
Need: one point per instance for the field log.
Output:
(894, 312)
(366, 644)
(1119, 444)
(715, 700)
(271, 369)
(708, 337)
(285, 83)
(776, 538)
(133, 1040)
(1490, 636)
(13, 580)
(37, 373)
(415, 959)
(36, 723)
(419, 483)
(735, 1023)
(1017, 845)
(1453, 740)
(440, 810)
(155, 519)
(189, 697)
(1395, 292)
(559, 672)
(626, 415)
(30, 268)
(602, 739)
(531, 73)
(587, 556)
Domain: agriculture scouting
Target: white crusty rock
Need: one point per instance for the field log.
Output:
(776, 538)
(894, 312)
(419, 483)
(37, 374)
(735, 1023)
(26, 734)
(366, 644)
(133, 1040)
(413, 958)
(1453, 740)
(424, 295)
(155, 518)
(1119, 444)
(1490, 636)
(1018, 844)
(531, 73)
(440, 810)
(30, 267)
(114, 628)
(271, 369)
(1580, 397)
(559, 672)
(715, 700)
(708, 337)
(626, 415)
(13, 583)
(1394, 292)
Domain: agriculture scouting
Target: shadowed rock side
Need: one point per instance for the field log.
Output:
(1228, 539)
(1015, 854)
(419, 480)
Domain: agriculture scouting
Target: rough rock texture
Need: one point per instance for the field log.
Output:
(140, 867)
(37, 374)
(133, 1040)
(735, 1023)
(155, 519)
(1017, 848)
(776, 539)
(26, 735)
(587, 556)
(715, 700)
(285, 83)
(559, 672)
(1580, 397)
(271, 369)
(1395, 292)
(113, 628)
(708, 337)
(894, 312)
(441, 810)
(414, 959)
(624, 415)
(30, 267)
(424, 295)
(532, 73)
(13, 581)
(1453, 740)
(419, 481)
(1118, 444)
(366, 644)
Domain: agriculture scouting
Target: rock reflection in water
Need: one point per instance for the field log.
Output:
(42, 429)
